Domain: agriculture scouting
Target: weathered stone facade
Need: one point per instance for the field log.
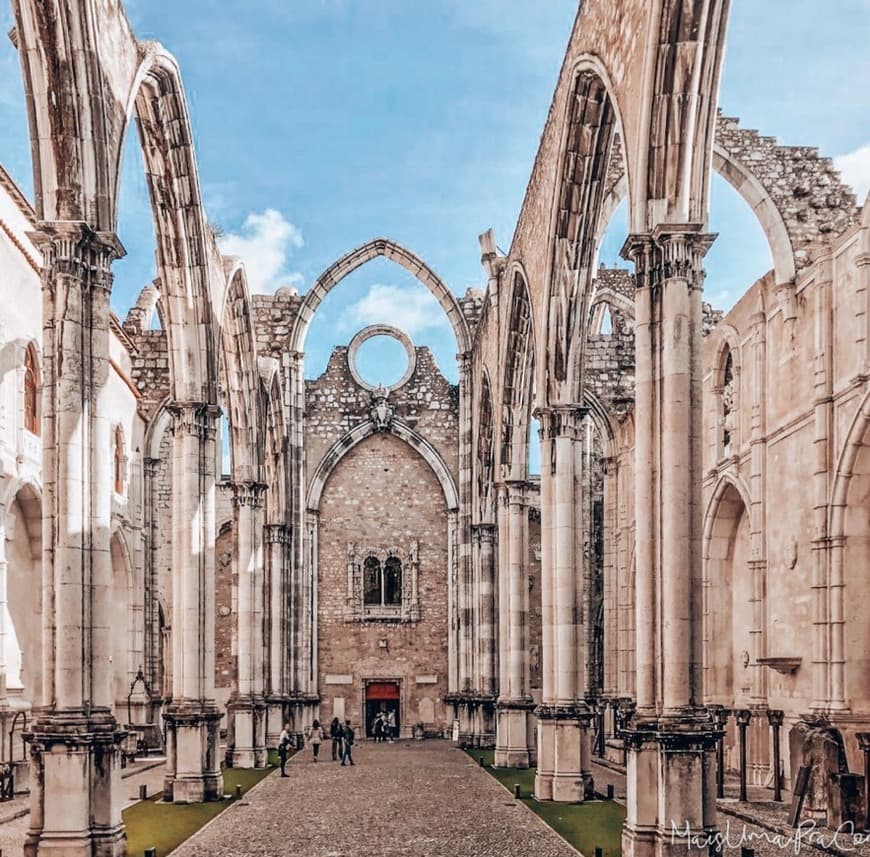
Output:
(692, 549)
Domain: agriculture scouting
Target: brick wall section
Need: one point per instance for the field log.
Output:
(226, 665)
(382, 495)
(273, 317)
(150, 369)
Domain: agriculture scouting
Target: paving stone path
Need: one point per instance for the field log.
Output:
(407, 799)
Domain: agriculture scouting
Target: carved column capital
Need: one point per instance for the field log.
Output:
(194, 418)
(277, 534)
(251, 494)
(775, 717)
(567, 421)
(75, 250)
(671, 250)
(517, 491)
(485, 533)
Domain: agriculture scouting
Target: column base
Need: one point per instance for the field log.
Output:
(565, 739)
(276, 717)
(75, 799)
(671, 788)
(193, 773)
(512, 733)
(546, 754)
(246, 732)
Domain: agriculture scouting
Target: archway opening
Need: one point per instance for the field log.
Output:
(22, 645)
(380, 292)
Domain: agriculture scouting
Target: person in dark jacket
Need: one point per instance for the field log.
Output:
(348, 737)
(337, 734)
(284, 747)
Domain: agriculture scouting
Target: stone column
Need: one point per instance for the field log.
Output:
(246, 710)
(487, 631)
(4, 612)
(546, 723)
(74, 738)
(514, 704)
(671, 740)
(572, 756)
(277, 538)
(192, 718)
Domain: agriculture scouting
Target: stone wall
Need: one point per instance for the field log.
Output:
(383, 495)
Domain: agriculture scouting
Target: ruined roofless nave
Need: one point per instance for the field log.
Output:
(689, 565)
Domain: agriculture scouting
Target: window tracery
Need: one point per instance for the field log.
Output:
(729, 417)
(382, 584)
(31, 391)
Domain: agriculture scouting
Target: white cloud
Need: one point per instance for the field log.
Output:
(855, 169)
(411, 310)
(264, 244)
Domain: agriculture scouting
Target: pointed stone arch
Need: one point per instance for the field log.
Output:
(591, 127)
(347, 264)
(188, 263)
(364, 430)
(240, 376)
(518, 360)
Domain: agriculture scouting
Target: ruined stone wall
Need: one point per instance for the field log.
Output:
(383, 495)
(428, 403)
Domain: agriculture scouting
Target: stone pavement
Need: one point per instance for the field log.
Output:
(410, 799)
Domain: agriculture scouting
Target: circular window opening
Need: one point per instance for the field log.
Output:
(381, 361)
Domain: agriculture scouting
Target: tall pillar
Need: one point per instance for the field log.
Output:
(546, 723)
(246, 710)
(277, 537)
(192, 718)
(485, 536)
(74, 739)
(572, 748)
(514, 704)
(671, 742)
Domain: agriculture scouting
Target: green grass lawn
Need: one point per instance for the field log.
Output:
(165, 826)
(587, 826)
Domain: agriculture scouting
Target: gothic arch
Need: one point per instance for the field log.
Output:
(518, 380)
(187, 257)
(240, 376)
(364, 430)
(275, 436)
(348, 263)
(590, 128)
(484, 458)
(726, 575)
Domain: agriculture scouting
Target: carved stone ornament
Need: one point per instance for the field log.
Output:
(381, 412)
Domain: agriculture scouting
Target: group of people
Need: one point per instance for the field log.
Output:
(342, 737)
(384, 726)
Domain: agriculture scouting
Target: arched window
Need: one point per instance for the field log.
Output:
(373, 584)
(119, 460)
(393, 581)
(728, 416)
(31, 391)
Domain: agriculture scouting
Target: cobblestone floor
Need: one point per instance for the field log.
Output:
(407, 799)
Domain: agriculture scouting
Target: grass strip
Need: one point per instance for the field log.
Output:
(587, 826)
(165, 826)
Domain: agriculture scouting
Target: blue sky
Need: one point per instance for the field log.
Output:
(323, 123)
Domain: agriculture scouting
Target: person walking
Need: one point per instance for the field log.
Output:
(335, 732)
(391, 725)
(349, 735)
(378, 727)
(315, 738)
(284, 747)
